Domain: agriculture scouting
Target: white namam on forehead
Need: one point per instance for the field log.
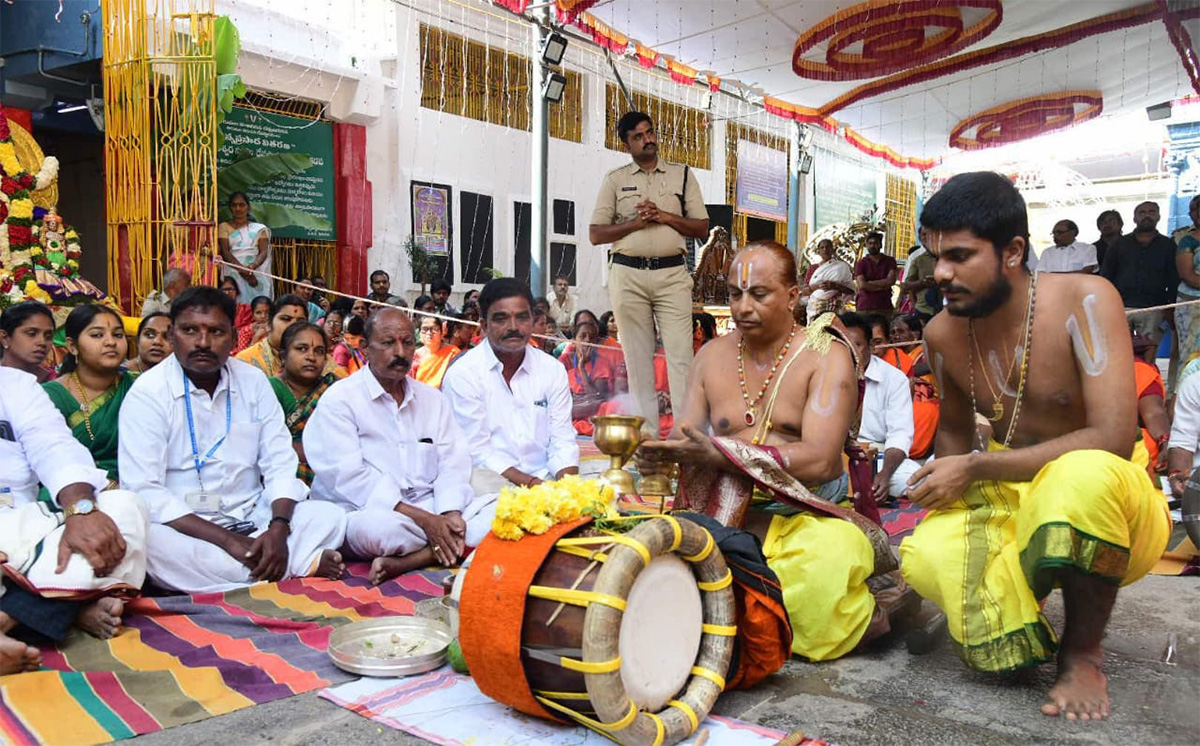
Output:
(745, 270)
(1092, 358)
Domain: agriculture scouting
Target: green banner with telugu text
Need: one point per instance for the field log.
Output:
(265, 133)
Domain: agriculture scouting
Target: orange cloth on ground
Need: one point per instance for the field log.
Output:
(432, 366)
(1149, 382)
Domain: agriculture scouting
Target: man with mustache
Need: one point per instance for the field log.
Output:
(1142, 266)
(203, 441)
(646, 209)
(512, 400)
(386, 449)
(1059, 496)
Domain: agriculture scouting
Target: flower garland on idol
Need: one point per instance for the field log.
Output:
(21, 252)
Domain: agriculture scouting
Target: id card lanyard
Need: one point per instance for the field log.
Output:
(187, 398)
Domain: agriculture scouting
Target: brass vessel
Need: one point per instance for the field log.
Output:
(617, 436)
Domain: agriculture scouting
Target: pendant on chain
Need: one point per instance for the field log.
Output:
(750, 418)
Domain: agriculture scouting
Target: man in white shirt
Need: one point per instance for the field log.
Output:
(385, 448)
(562, 304)
(175, 281)
(203, 441)
(887, 414)
(512, 401)
(1067, 254)
(87, 549)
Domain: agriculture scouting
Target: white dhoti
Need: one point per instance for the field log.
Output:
(899, 482)
(30, 535)
(379, 531)
(183, 563)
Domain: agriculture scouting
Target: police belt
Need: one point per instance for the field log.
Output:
(647, 262)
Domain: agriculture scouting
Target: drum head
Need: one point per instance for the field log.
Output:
(660, 632)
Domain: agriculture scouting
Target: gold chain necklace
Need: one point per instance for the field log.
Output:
(752, 404)
(83, 405)
(997, 396)
(1024, 374)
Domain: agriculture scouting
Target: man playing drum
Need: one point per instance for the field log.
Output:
(1060, 496)
(779, 400)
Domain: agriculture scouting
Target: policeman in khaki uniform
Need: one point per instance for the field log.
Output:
(645, 210)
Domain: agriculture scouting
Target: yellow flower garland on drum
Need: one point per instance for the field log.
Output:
(535, 510)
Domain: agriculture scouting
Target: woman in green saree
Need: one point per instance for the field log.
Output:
(92, 385)
(301, 383)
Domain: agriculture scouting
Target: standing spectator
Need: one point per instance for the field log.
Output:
(381, 289)
(646, 209)
(1067, 254)
(875, 274)
(1142, 267)
(1110, 224)
(246, 245)
(920, 283)
(830, 282)
(440, 290)
(1187, 262)
(562, 304)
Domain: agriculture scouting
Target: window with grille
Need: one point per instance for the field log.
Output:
(488, 84)
(683, 132)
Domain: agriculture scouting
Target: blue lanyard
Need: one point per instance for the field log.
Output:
(187, 398)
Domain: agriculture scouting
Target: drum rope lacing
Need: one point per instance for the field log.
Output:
(577, 546)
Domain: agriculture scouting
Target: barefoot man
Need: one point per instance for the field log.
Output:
(385, 448)
(778, 400)
(1059, 498)
(66, 563)
(203, 442)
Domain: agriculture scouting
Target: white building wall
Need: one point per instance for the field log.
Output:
(362, 57)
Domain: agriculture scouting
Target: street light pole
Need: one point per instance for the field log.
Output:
(538, 248)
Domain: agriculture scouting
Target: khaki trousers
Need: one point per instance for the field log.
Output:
(640, 297)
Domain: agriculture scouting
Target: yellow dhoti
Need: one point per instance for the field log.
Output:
(823, 565)
(990, 558)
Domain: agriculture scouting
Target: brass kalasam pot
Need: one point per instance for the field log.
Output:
(617, 436)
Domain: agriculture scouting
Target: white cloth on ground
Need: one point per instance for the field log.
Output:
(525, 423)
(183, 563)
(369, 453)
(30, 534)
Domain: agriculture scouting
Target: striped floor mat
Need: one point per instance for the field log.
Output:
(186, 658)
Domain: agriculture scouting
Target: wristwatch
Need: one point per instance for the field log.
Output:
(82, 506)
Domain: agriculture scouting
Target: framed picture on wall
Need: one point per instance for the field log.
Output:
(433, 224)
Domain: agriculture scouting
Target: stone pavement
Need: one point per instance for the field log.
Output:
(878, 698)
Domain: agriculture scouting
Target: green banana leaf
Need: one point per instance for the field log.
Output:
(227, 45)
(248, 172)
(278, 216)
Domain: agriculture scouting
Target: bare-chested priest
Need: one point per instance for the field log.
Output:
(779, 400)
(1059, 497)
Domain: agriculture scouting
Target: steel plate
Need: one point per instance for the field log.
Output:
(364, 647)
